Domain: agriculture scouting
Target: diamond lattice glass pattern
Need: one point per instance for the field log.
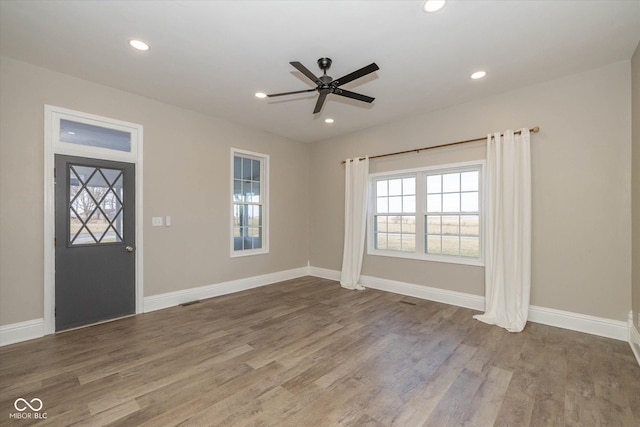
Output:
(96, 198)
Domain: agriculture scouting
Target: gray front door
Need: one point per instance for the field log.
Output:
(95, 241)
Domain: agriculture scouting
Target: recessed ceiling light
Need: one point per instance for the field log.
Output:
(431, 6)
(329, 120)
(138, 44)
(71, 133)
(261, 95)
(478, 75)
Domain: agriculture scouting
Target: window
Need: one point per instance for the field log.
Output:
(395, 224)
(452, 222)
(249, 189)
(432, 214)
(96, 205)
(73, 132)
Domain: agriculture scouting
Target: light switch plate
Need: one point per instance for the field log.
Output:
(156, 221)
(167, 220)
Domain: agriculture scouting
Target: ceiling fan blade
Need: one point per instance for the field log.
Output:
(304, 70)
(353, 95)
(356, 74)
(290, 93)
(320, 102)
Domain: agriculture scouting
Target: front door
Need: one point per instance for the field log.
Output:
(95, 241)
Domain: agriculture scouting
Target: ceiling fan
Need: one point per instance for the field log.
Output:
(326, 84)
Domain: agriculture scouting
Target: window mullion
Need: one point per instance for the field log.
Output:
(371, 228)
(421, 208)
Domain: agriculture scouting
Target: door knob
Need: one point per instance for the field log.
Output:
(129, 249)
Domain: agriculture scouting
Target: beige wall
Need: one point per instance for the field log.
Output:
(581, 193)
(186, 175)
(581, 188)
(635, 185)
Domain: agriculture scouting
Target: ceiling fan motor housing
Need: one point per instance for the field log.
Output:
(324, 64)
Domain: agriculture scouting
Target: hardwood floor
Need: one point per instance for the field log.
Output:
(307, 353)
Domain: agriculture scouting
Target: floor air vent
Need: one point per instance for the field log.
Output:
(184, 304)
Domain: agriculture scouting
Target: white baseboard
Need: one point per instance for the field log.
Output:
(324, 273)
(609, 328)
(459, 299)
(170, 299)
(600, 326)
(634, 338)
(22, 331)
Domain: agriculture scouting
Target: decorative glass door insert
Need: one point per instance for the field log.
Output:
(96, 205)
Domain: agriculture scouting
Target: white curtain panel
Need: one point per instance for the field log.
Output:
(507, 249)
(355, 221)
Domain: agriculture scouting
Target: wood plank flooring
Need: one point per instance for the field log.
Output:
(307, 353)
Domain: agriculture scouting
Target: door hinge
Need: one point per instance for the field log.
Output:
(54, 242)
(55, 311)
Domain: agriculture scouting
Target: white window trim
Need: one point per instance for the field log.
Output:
(264, 194)
(420, 173)
(53, 146)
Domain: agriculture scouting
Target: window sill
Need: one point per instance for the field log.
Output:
(238, 254)
(433, 258)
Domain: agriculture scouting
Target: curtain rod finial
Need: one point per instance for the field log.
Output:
(535, 129)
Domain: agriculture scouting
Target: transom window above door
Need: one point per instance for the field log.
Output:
(73, 132)
(85, 135)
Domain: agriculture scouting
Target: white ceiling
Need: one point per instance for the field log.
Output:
(212, 56)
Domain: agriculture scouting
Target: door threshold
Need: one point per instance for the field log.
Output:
(94, 324)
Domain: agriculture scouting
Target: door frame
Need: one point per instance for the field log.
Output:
(53, 146)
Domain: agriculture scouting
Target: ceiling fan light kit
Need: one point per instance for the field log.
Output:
(326, 85)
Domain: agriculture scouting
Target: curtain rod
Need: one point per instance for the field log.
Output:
(534, 129)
